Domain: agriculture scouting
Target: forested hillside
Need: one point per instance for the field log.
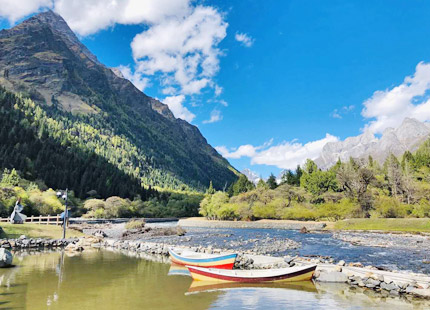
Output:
(57, 152)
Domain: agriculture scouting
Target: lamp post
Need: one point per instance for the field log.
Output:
(66, 212)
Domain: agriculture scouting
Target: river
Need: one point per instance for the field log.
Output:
(100, 279)
(312, 244)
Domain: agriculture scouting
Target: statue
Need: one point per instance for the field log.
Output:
(17, 217)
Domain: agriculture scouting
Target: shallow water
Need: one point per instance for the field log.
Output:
(319, 244)
(110, 280)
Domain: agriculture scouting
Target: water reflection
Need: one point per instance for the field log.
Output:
(178, 270)
(110, 280)
(206, 286)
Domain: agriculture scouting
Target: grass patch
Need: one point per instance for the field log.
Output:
(12, 231)
(384, 224)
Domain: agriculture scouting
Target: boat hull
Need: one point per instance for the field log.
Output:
(219, 262)
(304, 274)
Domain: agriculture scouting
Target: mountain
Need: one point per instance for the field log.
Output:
(407, 137)
(251, 175)
(92, 108)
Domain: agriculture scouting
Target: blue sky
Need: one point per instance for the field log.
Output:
(293, 74)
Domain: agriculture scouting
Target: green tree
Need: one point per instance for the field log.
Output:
(262, 184)
(242, 185)
(10, 178)
(271, 182)
(354, 181)
(210, 190)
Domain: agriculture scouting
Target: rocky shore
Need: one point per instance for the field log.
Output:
(385, 240)
(30, 243)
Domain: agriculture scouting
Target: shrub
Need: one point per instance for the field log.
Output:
(300, 213)
(212, 203)
(388, 207)
(422, 209)
(94, 204)
(135, 224)
(227, 211)
(264, 211)
(336, 211)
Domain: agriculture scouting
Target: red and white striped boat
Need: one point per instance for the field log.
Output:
(292, 274)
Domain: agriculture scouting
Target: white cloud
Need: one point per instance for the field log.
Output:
(286, 155)
(338, 113)
(14, 10)
(184, 47)
(137, 80)
(216, 116)
(87, 17)
(388, 108)
(218, 90)
(245, 39)
(175, 104)
(224, 103)
(247, 150)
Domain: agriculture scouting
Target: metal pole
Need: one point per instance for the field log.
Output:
(65, 216)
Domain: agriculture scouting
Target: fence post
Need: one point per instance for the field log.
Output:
(40, 219)
(31, 219)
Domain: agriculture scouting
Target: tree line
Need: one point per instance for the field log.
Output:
(399, 187)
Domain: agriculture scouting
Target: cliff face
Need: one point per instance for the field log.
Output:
(43, 59)
(407, 137)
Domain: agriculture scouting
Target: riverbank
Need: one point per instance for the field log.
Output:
(409, 225)
(395, 225)
(260, 224)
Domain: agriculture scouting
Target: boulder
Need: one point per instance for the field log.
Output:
(333, 277)
(341, 263)
(5, 258)
(421, 292)
(388, 286)
(372, 283)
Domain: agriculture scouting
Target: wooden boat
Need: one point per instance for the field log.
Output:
(292, 274)
(220, 261)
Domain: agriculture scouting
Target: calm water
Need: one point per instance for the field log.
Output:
(108, 280)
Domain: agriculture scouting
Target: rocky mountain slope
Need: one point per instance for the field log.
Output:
(102, 112)
(251, 175)
(407, 137)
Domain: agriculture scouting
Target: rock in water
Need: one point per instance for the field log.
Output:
(304, 230)
(5, 258)
(333, 277)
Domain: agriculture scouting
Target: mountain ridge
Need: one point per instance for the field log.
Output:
(407, 137)
(43, 59)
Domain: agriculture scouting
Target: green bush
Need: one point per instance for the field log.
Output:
(264, 211)
(227, 211)
(299, 213)
(422, 209)
(389, 207)
(135, 224)
(345, 208)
